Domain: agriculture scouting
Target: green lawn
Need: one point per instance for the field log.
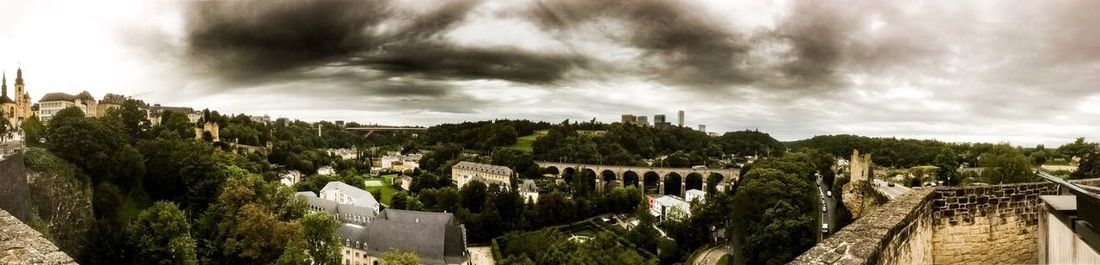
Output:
(386, 189)
(724, 260)
(524, 143)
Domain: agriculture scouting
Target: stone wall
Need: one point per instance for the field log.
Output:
(20, 244)
(948, 225)
(896, 233)
(988, 224)
(14, 192)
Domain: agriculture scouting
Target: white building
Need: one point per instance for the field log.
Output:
(465, 171)
(51, 103)
(694, 194)
(668, 206)
(435, 238)
(529, 190)
(291, 177)
(326, 171)
(347, 203)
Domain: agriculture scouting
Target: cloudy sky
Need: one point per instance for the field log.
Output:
(1027, 72)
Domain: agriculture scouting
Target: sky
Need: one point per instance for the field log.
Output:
(1024, 72)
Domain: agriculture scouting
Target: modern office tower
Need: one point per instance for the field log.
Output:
(629, 119)
(680, 114)
(643, 120)
(659, 118)
(702, 128)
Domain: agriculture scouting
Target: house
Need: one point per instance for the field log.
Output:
(406, 182)
(529, 190)
(347, 203)
(668, 207)
(436, 238)
(326, 171)
(466, 171)
(694, 194)
(291, 177)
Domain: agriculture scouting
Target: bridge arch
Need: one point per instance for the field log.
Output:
(652, 181)
(609, 178)
(694, 180)
(552, 170)
(673, 183)
(630, 178)
(712, 181)
(568, 173)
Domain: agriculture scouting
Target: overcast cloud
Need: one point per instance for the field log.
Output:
(1027, 72)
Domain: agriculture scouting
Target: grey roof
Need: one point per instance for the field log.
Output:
(58, 96)
(5, 99)
(487, 168)
(528, 186)
(113, 99)
(365, 198)
(334, 208)
(435, 237)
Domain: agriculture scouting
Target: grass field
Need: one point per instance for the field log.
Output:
(386, 189)
(525, 143)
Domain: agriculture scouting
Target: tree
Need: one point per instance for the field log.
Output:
(161, 235)
(947, 163)
(319, 231)
(95, 147)
(295, 252)
(250, 222)
(474, 194)
(177, 124)
(33, 130)
(396, 257)
(1005, 164)
(777, 211)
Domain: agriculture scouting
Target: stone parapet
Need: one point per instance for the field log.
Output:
(20, 244)
(881, 237)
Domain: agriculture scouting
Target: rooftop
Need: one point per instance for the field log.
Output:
(487, 168)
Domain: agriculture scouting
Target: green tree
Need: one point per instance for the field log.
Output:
(34, 130)
(777, 212)
(947, 163)
(250, 222)
(1005, 164)
(474, 194)
(295, 252)
(396, 257)
(322, 245)
(177, 124)
(161, 235)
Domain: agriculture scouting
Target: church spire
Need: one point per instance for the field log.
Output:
(19, 76)
(5, 85)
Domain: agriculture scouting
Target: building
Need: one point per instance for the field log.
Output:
(291, 177)
(702, 128)
(529, 190)
(260, 119)
(466, 171)
(659, 118)
(109, 102)
(629, 119)
(157, 111)
(17, 107)
(347, 203)
(680, 120)
(668, 207)
(694, 194)
(51, 103)
(326, 171)
(643, 120)
(436, 238)
(860, 167)
(395, 161)
(208, 127)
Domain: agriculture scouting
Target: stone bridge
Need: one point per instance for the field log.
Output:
(639, 176)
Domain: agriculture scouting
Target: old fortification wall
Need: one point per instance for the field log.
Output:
(14, 192)
(954, 225)
(20, 244)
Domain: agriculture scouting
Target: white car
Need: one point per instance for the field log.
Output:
(824, 209)
(824, 228)
(829, 193)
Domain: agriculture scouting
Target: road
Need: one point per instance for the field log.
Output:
(712, 255)
(891, 192)
(830, 204)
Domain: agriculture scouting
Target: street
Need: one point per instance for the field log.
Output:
(891, 192)
(830, 204)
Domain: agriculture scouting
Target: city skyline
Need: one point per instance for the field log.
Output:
(948, 71)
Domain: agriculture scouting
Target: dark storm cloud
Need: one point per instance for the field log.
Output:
(440, 61)
(248, 39)
(694, 49)
(257, 41)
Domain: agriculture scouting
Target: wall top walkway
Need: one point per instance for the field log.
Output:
(20, 244)
(863, 241)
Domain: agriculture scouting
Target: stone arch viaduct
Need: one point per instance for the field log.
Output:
(628, 175)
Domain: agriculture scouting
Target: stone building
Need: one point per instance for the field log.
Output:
(436, 238)
(465, 171)
(52, 103)
(109, 102)
(17, 107)
(529, 190)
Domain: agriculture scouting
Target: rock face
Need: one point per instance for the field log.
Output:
(20, 244)
(14, 192)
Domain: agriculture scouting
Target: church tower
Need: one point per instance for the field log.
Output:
(8, 108)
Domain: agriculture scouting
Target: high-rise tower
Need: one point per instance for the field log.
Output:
(681, 116)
